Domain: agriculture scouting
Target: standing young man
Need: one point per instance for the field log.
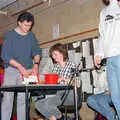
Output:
(20, 52)
(109, 47)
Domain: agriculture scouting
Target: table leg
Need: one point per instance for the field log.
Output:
(27, 104)
(75, 103)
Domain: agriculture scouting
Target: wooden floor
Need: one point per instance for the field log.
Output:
(86, 113)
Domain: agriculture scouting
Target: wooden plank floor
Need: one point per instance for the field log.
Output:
(86, 113)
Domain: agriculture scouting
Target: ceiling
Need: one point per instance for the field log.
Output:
(4, 3)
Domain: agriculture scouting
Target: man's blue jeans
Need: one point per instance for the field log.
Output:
(113, 74)
(102, 103)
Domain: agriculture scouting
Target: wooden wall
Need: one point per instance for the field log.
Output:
(77, 19)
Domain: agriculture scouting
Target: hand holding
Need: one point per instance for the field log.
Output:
(97, 60)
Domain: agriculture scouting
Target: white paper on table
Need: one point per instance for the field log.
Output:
(30, 79)
(86, 48)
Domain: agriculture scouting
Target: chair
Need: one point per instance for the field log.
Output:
(70, 108)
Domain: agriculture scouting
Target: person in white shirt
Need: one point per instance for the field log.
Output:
(109, 48)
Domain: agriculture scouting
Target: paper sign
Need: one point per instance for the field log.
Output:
(31, 79)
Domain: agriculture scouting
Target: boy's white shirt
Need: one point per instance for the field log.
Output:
(109, 39)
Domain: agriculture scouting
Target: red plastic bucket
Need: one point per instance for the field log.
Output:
(51, 78)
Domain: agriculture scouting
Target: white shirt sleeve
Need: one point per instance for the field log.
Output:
(99, 51)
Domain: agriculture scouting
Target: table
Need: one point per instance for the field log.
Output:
(29, 88)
